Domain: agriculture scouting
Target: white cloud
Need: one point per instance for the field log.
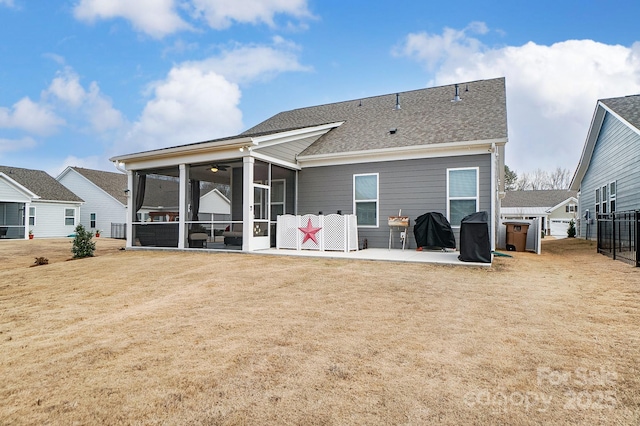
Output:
(154, 17)
(199, 100)
(8, 3)
(551, 90)
(245, 64)
(8, 145)
(31, 117)
(92, 162)
(94, 106)
(220, 14)
(159, 18)
(190, 105)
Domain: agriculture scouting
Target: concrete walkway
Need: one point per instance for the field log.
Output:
(393, 255)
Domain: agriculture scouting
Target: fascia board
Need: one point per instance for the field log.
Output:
(401, 153)
(293, 135)
(19, 187)
(589, 145)
(184, 149)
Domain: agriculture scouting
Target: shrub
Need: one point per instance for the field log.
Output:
(83, 246)
(571, 231)
(41, 261)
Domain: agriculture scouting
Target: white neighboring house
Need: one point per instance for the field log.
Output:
(554, 208)
(31, 200)
(214, 204)
(104, 195)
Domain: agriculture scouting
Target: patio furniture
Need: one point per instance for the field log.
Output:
(198, 240)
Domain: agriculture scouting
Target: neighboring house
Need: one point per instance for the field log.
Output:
(608, 174)
(106, 196)
(554, 208)
(31, 200)
(438, 149)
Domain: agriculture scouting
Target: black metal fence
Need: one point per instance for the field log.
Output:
(119, 231)
(618, 236)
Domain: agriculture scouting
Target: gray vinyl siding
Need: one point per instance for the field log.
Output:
(616, 157)
(415, 186)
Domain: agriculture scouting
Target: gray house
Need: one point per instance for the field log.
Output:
(438, 149)
(31, 200)
(608, 175)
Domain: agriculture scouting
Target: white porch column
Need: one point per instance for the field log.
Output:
(182, 210)
(27, 206)
(247, 202)
(131, 214)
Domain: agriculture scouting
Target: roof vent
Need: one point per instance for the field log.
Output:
(397, 101)
(393, 131)
(457, 97)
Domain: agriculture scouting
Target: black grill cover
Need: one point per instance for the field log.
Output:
(475, 245)
(433, 230)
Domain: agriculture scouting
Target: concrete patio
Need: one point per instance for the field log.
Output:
(394, 255)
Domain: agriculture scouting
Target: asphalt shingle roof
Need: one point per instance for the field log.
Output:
(541, 198)
(40, 183)
(112, 183)
(426, 116)
(627, 107)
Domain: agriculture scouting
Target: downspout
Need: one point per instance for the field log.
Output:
(494, 195)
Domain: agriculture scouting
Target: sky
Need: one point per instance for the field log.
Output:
(84, 80)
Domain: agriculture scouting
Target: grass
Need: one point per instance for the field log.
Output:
(139, 337)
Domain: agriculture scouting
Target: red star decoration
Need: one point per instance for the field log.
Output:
(309, 233)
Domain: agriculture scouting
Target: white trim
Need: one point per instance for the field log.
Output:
(453, 149)
(19, 187)
(494, 195)
(592, 137)
(273, 160)
(35, 213)
(562, 203)
(66, 216)
(377, 199)
(476, 198)
(293, 135)
(61, 175)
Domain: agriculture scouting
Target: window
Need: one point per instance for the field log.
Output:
(92, 220)
(365, 199)
(603, 199)
(570, 208)
(597, 202)
(462, 193)
(70, 217)
(612, 196)
(32, 216)
(277, 198)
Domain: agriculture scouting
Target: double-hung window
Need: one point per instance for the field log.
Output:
(70, 217)
(92, 220)
(32, 216)
(604, 198)
(597, 201)
(365, 199)
(462, 193)
(612, 196)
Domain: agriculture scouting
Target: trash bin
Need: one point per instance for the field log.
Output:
(517, 235)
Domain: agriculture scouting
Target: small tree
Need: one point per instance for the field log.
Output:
(83, 246)
(571, 231)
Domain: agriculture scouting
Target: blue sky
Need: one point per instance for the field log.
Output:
(83, 80)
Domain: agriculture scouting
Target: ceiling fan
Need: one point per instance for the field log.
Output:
(215, 168)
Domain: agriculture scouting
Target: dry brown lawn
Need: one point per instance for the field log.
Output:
(139, 337)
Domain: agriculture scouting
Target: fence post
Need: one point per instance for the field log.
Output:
(636, 220)
(613, 234)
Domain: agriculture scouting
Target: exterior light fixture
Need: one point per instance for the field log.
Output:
(214, 169)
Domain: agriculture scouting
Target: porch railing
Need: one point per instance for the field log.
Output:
(618, 236)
